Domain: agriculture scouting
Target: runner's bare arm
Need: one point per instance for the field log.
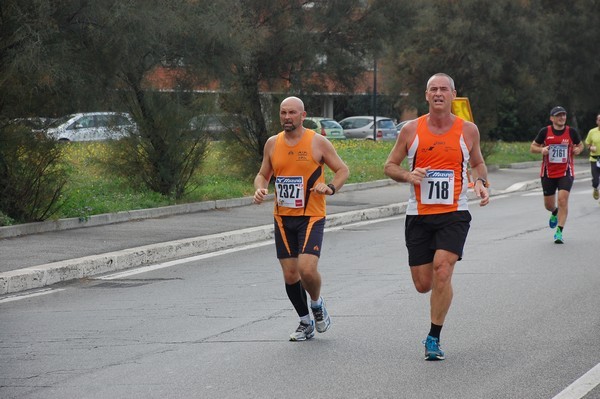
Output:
(477, 163)
(393, 168)
(261, 181)
(537, 148)
(333, 161)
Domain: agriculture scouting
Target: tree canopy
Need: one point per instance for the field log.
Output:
(513, 59)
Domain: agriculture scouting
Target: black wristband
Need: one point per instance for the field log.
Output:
(332, 187)
(483, 181)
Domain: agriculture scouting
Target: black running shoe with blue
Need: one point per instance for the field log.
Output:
(433, 351)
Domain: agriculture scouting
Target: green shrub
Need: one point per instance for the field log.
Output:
(32, 175)
(165, 153)
(5, 220)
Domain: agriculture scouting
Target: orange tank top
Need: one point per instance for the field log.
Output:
(296, 172)
(444, 189)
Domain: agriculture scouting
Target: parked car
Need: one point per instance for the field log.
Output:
(361, 127)
(92, 126)
(399, 125)
(325, 127)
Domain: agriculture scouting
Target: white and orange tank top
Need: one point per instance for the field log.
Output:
(296, 172)
(444, 189)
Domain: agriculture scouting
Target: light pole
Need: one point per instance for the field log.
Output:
(374, 99)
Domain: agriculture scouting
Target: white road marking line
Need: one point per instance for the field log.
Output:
(18, 297)
(535, 193)
(582, 386)
(158, 266)
(496, 197)
(127, 273)
(164, 265)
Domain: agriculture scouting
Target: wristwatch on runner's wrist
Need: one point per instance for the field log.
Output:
(483, 181)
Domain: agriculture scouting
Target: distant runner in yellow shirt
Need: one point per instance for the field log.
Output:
(593, 142)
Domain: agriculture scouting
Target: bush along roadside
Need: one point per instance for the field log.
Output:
(33, 174)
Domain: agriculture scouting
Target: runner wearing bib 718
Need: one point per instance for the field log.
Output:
(439, 146)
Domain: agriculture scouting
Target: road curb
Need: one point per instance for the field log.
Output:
(128, 216)
(57, 272)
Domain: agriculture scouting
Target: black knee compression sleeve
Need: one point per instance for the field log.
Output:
(297, 296)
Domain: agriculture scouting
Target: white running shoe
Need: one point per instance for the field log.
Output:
(303, 332)
(322, 319)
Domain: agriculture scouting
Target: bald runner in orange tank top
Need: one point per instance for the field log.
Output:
(296, 172)
(295, 159)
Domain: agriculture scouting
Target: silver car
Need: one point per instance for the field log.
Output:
(361, 127)
(325, 127)
(92, 126)
(400, 125)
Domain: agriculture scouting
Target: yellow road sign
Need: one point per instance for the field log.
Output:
(462, 108)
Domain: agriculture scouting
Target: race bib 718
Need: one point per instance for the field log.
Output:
(438, 187)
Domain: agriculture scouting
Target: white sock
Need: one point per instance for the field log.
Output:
(316, 304)
(305, 319)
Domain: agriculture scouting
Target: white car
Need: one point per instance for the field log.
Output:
(92, 126)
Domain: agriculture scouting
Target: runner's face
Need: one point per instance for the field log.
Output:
(439, 93)
(559, 120)
(291, 116)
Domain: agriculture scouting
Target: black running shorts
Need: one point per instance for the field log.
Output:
(550, 185)
(298, 235)
(425, 234)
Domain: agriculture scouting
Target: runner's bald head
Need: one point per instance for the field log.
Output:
(293, 101)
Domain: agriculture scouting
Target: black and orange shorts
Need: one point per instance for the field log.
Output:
(296, 235)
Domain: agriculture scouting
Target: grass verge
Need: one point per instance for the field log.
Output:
(90, 191)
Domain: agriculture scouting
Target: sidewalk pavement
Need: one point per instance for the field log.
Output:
(36, 255)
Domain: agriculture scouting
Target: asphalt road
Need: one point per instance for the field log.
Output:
(524, 322)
